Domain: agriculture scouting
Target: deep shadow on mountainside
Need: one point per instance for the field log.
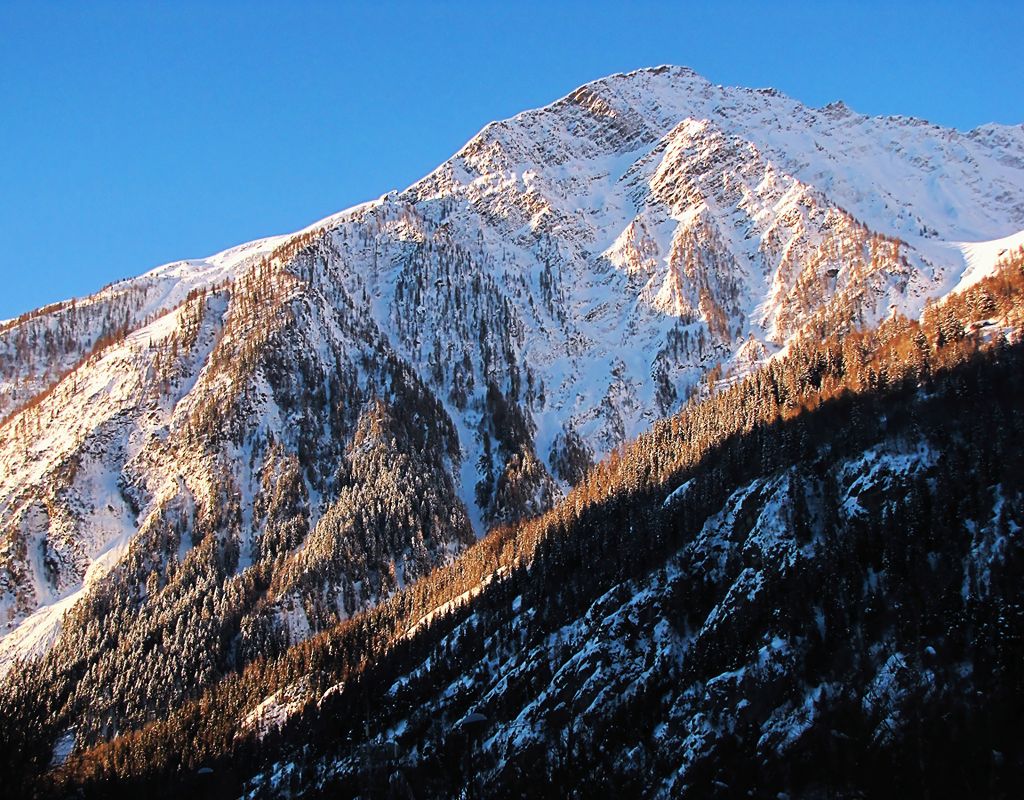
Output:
(808, 583)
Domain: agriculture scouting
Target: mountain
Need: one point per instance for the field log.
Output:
(206, 466)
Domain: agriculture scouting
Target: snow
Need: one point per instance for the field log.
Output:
(677, 494)
(885, 691)
(63, 747)
(36, 634)
(788, 722)
(981, 258)
(454, 603)
(274, 711)
(989, 544)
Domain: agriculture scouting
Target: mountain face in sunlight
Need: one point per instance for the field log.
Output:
(256, 488)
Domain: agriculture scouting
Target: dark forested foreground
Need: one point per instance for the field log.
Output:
(808, 582)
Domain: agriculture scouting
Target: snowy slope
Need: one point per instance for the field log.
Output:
(983, 257)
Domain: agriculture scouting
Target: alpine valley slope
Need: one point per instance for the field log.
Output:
(215, 460)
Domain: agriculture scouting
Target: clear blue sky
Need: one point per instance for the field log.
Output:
(132, 134)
